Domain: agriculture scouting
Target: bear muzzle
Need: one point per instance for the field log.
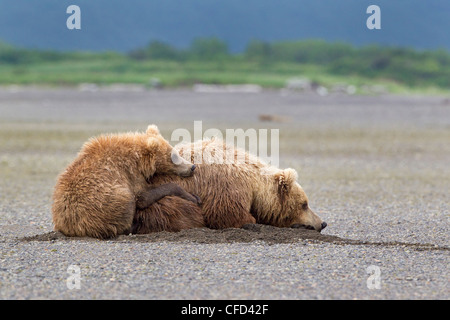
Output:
(309, 227)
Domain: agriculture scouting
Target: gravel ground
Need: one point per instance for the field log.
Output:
(374, 167)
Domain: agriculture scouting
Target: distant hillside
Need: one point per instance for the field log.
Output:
(128, 24)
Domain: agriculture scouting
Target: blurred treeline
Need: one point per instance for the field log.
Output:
(401, 64)
(404, 65)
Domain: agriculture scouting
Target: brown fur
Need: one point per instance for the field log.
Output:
(152, 194)
(171, 213)
(96, 195)
(233, 193)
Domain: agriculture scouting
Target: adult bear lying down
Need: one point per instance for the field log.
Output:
(232, 193)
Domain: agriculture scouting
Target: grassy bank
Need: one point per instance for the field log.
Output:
(272, 66)
(176, 74)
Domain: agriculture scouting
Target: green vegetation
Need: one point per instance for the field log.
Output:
(209, 61)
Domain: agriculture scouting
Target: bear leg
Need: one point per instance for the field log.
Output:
(171, 214)
(247, 219)
(152, 194)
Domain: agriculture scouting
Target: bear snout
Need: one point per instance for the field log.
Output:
(323, 225)
(185, 169)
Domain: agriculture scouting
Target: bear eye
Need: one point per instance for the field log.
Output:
(305, 206)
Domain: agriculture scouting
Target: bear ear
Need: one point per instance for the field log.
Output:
(152, 143)
(147, 164)
(290, 176)
(285, 179)
(152, 130)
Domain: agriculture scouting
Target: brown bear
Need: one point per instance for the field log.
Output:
(96, 195)
(233, 193)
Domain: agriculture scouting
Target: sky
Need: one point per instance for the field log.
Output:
(123, 25)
